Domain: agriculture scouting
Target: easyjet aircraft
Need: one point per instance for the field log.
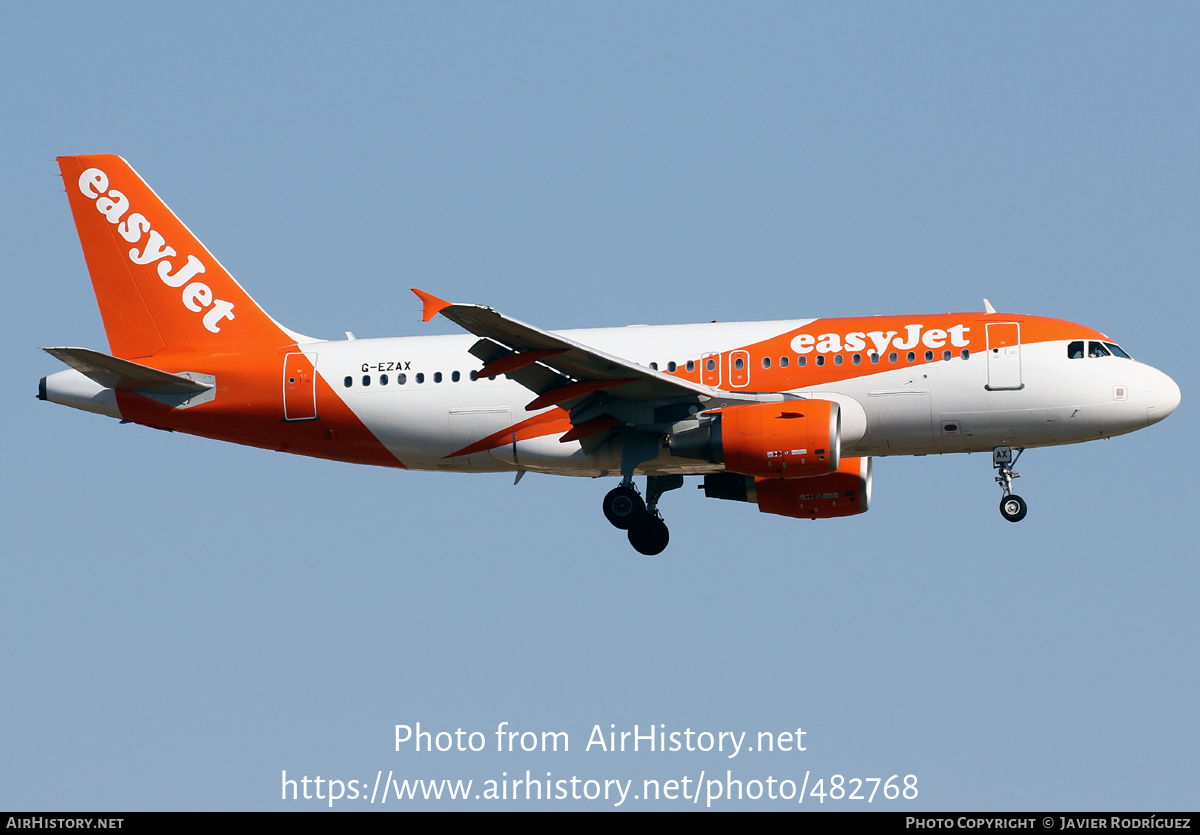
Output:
(782, 414)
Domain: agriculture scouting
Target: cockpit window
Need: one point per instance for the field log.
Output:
(1095, 349)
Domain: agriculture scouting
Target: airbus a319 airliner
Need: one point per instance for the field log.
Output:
(782, 414)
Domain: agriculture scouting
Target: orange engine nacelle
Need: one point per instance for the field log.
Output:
(788, 439)
(846, 492)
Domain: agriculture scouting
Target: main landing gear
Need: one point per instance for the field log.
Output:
(640, 519)
(1012, 507)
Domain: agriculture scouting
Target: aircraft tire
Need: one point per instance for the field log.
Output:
(623, 507)
(1013, 508)
(649, 536)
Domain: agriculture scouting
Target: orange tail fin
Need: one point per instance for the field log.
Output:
(159, 289)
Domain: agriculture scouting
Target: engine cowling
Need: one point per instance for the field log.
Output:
(788, 439)
(846, 492)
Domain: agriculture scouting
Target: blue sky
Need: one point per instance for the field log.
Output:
(184, 620)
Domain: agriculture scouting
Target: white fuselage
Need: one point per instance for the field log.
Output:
(938, 407)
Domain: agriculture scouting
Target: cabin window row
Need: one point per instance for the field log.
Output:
(402, 379)
(739, 363)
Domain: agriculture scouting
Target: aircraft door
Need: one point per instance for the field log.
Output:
(739, 369)
(710, 370)
(1004, 356)
(300, 387)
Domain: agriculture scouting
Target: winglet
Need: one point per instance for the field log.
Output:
(433, 305)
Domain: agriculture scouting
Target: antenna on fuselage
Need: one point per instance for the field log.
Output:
(987, 307)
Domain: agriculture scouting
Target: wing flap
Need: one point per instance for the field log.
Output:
(519, 367)
(571, 391)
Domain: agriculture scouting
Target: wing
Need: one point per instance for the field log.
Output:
(599, 390)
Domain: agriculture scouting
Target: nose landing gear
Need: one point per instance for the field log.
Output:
(1012, 507)
(644, 526)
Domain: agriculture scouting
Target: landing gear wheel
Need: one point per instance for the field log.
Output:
(1013, 508)
(623, 506)
(649, 535)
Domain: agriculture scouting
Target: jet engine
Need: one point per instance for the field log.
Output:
(846, 492)
(788, 439)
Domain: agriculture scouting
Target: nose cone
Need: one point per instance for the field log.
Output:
(1162, 397)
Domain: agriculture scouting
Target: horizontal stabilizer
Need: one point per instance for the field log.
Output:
(114, 373)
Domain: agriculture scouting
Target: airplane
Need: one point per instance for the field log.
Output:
(783, 414)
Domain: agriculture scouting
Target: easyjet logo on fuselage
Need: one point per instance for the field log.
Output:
(197, 296)
(832, 343)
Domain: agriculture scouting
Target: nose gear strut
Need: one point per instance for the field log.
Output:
(1012, 507)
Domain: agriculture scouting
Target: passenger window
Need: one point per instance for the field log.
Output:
(928, 356)
(766, 362)
(837, 359)
(892, 356)
(739, 363)
(401, 379)
(783, 362)
(912, 355)
(711, 365)
(420, 376)
(801, 361)
(349, 382)
(874, 358)
(691, 365)
(366, 379)
(474, 376)
(437, 376)
(653, 366)
(1075, 350)
(966, 353)
(946, 355)
(857, 359)
(455, 377)
(383, 379)
(820, 359)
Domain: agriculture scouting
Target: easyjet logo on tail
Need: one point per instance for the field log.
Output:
(197, 296)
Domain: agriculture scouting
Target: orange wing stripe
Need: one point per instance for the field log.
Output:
(570, 391)
(515, 361)
(589, 427)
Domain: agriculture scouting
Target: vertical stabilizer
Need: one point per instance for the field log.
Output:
(159, 289)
